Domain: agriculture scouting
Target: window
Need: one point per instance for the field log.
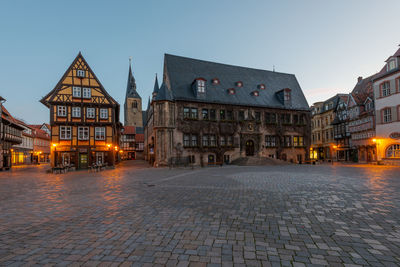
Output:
(90, 113)
(213, 142)
(61, 111)
(391, 64)
(270, 118)
(186, 140)
(81, 73)
(255, 93)
(393, 151)
(298, 141)
(287, 141)
(76, 112)
(270, 141)
(222, 115)
(222, 141)
(285, 118)
(295, 119)
(65, 132)
(83, 133)
(387, 115)
(86, 92)
(205, 140)
(241, 115)
(231, 91)
(257, 116)
(186, 112)
(193, 113)
(76, 91)
(192, 159)
(261, 86)
(212, 114)
(215, 81)
(134, 104)
(100, 133)
(194, 140)
(286, 95)
(204, 114)
(385, 89)
(230, 140)
(239, 84)
(201, 86)
(103, 113)
(229, 115)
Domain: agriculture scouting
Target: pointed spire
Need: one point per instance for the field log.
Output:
(131, 85)
(156, 86)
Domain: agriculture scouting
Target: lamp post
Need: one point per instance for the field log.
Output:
(376, 141)
(55, 155)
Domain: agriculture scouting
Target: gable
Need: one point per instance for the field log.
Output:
(79, 75)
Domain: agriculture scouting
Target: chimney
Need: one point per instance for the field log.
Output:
(360, 79)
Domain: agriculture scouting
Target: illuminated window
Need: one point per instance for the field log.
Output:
(393, 151)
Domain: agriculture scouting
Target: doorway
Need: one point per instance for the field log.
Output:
(83, 161)
(249, 148)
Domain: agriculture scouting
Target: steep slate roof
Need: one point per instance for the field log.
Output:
(39, 133)
(139, 130)
(182, 71)
(156, 86)
(164, 93)
(334, 100)
(131, 86)
(6, 115)
(144, 117)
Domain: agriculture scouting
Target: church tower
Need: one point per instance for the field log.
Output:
(133, 103)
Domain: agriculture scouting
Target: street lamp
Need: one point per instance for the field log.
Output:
(376, 141)
(2, 100)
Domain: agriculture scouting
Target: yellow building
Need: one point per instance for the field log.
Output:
(84, 119)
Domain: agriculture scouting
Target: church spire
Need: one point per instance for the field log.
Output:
(156, 87)
(131, 85)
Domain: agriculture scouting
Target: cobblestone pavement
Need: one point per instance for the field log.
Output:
(293, 215)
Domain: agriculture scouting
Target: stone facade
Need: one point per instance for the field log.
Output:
(209, 132)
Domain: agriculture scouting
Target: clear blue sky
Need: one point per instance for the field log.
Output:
(327, 44)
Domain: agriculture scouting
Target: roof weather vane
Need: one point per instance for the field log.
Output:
(130, 60)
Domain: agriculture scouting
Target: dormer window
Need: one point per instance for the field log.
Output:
(81, 73)
(255, 93)
(231, 91)
(261, 86)
(215, 81)
(391, 65)
(201, 86)
(239, 84)
(287, 94)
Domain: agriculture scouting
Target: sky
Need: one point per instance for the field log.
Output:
(326, 44)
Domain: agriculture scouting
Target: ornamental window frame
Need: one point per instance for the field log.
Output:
(393, 151)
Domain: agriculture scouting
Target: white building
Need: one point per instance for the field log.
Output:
(387, 105)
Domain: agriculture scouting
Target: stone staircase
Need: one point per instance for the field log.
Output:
(258, 161)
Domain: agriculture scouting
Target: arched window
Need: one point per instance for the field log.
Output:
(393, 151)
(134, 104)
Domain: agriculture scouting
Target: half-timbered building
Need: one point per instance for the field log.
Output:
(84, 119)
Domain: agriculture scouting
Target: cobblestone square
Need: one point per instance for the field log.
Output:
(295, 215)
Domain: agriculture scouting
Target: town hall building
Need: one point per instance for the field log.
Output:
(212, 113)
